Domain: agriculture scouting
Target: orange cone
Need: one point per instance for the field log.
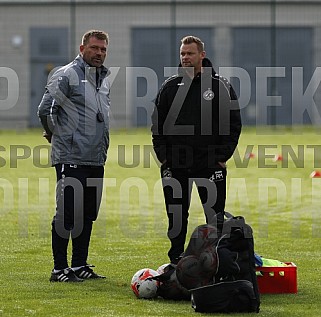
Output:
(250, 155)
(315, 174)
(277, 158)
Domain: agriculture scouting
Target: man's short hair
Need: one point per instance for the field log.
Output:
(100, 35)
(189, 39)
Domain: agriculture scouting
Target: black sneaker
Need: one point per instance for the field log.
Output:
(86, 272)
(66, 275)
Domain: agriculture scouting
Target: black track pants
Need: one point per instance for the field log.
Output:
(177, 188)
(78, 197)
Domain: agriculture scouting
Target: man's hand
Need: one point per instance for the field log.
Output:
(47, 136)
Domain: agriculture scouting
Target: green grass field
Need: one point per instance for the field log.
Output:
(278, 199)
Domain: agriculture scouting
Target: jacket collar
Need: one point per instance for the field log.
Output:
(205, 63)
(83, 65)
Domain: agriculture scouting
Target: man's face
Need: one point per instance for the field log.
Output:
(190, 56)
(94, 52)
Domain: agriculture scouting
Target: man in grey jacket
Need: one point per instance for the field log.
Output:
(74, 112)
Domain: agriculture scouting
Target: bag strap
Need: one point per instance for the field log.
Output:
(228, 214)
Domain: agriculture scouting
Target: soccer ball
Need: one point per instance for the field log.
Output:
(142, 284)
(188, 272)
(162, 268)
(208, 261)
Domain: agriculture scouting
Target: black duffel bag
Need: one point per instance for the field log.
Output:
(225, 297)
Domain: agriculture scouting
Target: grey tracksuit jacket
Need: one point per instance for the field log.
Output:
(75, 111)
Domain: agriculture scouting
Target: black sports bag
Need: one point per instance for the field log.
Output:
(225, 297)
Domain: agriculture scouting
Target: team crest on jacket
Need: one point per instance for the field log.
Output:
(208, 94)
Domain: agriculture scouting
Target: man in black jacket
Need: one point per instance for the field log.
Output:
(196, 125)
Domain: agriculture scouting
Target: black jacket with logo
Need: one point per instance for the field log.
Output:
(196, 122)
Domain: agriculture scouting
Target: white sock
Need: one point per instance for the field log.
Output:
(77, 268)
(56, 271)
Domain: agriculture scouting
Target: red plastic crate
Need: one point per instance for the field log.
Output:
(278, 279)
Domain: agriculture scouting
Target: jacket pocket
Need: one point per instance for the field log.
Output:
(62, 144)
